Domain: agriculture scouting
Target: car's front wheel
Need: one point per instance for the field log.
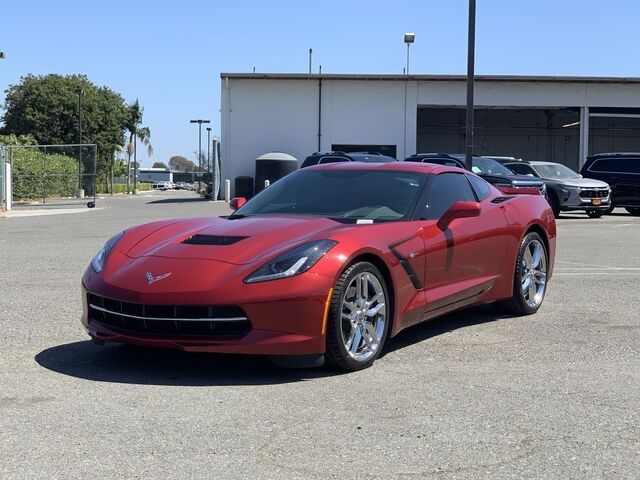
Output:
(530, 277)
(633, 210)
(359, 316)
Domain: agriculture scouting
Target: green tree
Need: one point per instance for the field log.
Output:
(136, 132)
(178, 163)
(46, 107)
(160, 165)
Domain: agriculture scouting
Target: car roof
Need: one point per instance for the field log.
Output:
(616, 154)
(541, 162)
(417, 167)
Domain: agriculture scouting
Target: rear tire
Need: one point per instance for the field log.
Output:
(359, 317)
(529, 277)
(633, 210)
(595, 213)
(554, 203)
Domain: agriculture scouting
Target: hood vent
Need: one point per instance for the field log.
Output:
(199, 239)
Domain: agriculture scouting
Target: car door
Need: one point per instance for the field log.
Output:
(464, 260)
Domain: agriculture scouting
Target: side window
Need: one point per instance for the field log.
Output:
(324, 160)
(445, 190)
(520, 169)
(480, 186)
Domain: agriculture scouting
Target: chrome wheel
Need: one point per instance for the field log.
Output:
(534, 273)
(363, 316)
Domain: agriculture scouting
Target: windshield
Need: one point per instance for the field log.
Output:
(489, 166)
(343, 195)
(556, 171)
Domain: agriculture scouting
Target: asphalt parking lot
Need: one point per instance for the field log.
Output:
(473, 395)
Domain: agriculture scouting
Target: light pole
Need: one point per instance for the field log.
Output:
(470, 79)
(409, 38)
(208, 149)
(80, 193)
(200, 122)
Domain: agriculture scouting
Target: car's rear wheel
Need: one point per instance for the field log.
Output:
(633, 210)
(359, 316)
(595, 213)
(554, 203)
(530, 277)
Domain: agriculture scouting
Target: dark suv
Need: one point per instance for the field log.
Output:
(319, 158)
(622, 172)
(489, 169)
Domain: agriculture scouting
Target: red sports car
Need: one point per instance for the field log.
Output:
(326, 263)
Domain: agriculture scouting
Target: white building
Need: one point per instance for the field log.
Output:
(561, 119)
(154, 175)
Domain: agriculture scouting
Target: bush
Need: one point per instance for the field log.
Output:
(39, 175)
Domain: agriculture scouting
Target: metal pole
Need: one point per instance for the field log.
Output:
(208, 149)
(310, 53)
(470, 80)
(408, 45)
(80, 193)
(200, 146)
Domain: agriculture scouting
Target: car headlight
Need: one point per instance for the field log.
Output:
(98, 261)
(294, 262)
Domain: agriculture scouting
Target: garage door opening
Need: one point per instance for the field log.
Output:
(532, 134)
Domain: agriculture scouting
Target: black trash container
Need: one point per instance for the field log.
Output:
(273, 166)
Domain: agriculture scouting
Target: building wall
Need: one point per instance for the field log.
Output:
(262, 114)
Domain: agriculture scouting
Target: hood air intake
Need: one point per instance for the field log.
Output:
(199, 239)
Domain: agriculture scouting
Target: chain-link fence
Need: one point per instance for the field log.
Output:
(53, 174)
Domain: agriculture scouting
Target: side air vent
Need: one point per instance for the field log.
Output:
(500, 199)
(211, 240)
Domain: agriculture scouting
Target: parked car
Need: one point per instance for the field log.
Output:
(622, 172)
(163, 186)
(487, 168)
(320, 158)
(326, 263)
(566, 189)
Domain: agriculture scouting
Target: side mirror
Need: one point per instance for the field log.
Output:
(461, 209)
(237, 202)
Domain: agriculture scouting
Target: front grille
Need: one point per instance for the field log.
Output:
(593, 193)
(169, 320)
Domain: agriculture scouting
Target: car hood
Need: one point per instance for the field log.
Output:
(581, 183)
(240, 241)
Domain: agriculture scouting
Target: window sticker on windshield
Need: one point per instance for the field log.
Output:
(475, 169)
(363, 221)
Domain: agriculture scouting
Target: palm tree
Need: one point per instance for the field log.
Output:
(136, 132)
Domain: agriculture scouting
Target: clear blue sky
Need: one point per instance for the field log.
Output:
(170, 54)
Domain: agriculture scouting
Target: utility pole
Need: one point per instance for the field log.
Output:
(470, 80)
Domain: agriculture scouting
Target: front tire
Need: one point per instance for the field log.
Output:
(530, 277)
(554, 203)
(359, 316)
(633, 210)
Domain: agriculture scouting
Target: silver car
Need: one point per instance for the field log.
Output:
(566, 189)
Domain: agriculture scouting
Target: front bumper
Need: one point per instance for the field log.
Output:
(293, 324)
(574, 201)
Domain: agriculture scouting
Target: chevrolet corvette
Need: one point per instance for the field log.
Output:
(325, 264)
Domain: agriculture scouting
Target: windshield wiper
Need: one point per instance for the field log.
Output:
(235, 216)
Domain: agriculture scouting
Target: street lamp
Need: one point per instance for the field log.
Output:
(409, 38)
(200, 122)
(208, 149)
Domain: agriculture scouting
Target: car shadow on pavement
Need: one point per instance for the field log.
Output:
(438, 326)
(178, 200)
(149, 366)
